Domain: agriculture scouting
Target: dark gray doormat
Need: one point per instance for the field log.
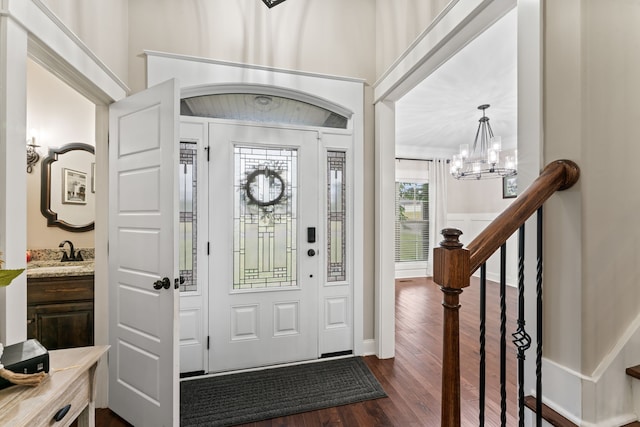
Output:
(253, 396)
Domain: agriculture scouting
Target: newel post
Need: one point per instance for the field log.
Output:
(451, 271)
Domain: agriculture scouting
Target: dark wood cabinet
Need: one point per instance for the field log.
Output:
(60, 311)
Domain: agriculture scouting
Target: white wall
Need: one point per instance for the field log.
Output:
(329, 36)
(592, 269)
(101, 25)
(471, 196)
(591, 114)
(13, 199)
(398, 24)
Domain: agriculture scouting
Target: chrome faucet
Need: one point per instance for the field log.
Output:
(73, 256)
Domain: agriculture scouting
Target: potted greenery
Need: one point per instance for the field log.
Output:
(6, 276)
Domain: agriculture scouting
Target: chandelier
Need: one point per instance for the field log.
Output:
(271, 3)
(483, 161)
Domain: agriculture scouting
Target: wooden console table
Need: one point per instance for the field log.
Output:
(71, 381)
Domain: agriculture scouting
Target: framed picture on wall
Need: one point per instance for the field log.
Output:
(74, 187)
(509, 187)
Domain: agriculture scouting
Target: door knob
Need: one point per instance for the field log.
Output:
(164, 283)
(311, 252)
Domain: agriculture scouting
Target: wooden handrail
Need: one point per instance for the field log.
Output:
(556, 176)
(453, 265)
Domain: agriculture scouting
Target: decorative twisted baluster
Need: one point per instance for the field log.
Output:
(503, 334)
(521, 338)
(483, 333)
(539, 321)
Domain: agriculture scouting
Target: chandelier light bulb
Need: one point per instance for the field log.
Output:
(509, 162)
(464, 151)
(492, 156)
(496, 143)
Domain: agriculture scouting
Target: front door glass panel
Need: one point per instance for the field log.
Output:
(265, 218)
(188, 217)
(336, 220)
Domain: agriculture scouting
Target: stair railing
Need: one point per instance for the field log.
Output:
(453, 266)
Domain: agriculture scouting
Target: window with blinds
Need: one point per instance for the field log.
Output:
(412, 221)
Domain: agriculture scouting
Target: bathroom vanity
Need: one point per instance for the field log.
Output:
(60, 304)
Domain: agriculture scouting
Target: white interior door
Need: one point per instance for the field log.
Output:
(143, 303)
(265, 235)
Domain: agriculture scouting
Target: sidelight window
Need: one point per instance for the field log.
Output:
(188, 216)
(336, 220)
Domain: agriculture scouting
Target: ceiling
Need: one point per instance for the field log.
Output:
(441, 113)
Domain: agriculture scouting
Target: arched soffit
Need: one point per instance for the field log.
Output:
(262, 103)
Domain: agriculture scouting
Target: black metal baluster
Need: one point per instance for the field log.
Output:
(521, 338)
(483, 317)
(539, 322)
(503, 335)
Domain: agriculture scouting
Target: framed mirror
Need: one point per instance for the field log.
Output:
(67, 196)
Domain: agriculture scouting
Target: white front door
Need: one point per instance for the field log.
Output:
(143, 257)
(264, 188)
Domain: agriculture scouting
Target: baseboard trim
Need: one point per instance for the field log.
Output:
(548, 414)
(369, 347)
(621, 420)
(575, 396)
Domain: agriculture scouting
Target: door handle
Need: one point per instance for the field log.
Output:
(164, 283)
(311, 252)
(178, 282)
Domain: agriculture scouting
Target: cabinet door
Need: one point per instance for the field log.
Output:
(64, 325)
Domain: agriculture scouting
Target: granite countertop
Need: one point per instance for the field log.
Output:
(51, 268)
(46, 263)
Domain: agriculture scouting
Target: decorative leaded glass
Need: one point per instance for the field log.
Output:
(265, 218)
(336, 221)
(188, 216)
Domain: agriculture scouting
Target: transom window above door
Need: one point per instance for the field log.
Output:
(261, 108)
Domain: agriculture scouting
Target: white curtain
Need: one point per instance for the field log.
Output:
(438, 175)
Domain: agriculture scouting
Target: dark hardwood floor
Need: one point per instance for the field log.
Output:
(412, 378)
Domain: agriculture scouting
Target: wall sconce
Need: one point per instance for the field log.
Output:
(32, 154)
